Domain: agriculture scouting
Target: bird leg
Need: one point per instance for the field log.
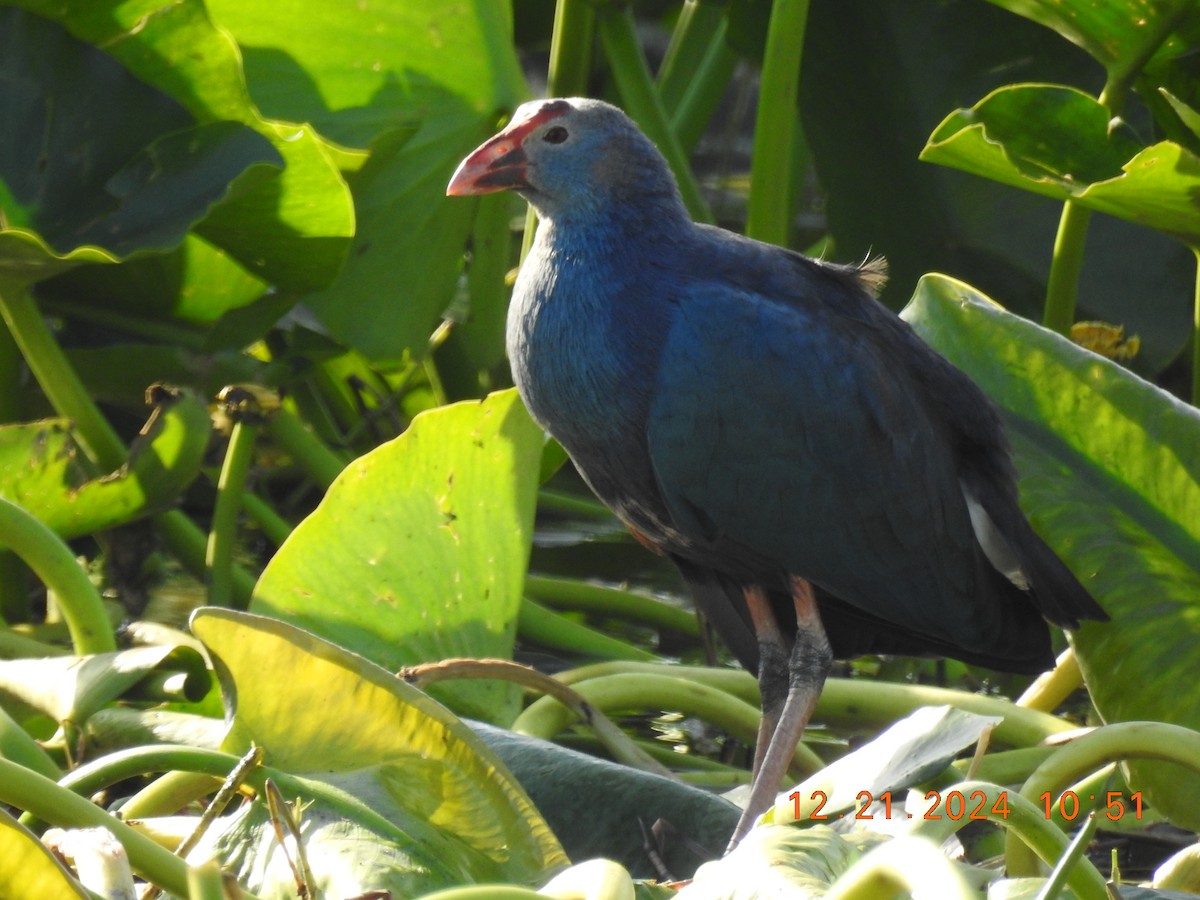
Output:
(805, 672)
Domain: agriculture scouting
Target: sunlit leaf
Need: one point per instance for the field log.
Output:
(29, 869)
(1112, 31)
(418, 550)
(43, 469)
(71, 688)
(364, 74)
(1110, 477)
(1056, 141)
(392, 791)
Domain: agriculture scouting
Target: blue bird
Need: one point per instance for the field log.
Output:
(827, 484)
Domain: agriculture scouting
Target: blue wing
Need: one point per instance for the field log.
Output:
(786, 437)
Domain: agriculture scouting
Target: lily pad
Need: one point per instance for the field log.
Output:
(392, 791)
(1109, 476)
(418, 551)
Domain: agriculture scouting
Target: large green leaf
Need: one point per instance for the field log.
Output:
(906, 63)
(292, 230)
(368, 75)
(1110, 477)
(392, 791)
(1112, 31)
(1056, 141)
(418, 551)
(42, 469)
(116, 169)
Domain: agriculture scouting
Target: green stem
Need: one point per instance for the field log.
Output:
(539, 625)
(46, 800)
(567, 593)
(1196, 335)
(10, 377)
(1112, 743)
(695, 109)
(1066, 262)
(319, 463)
(18, 747)
(222, 536)
(860, 705)
(190, 546)
(571, 48)
(572, 505)
(546, 717)
(273, 525)
(700, 26)
(1067, 259)
(53, 562)
(58, 379)
(100, 442)
(770, 205)
(619, 38)
(1025, 826)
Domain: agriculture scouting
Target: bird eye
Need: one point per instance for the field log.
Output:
(555, 135)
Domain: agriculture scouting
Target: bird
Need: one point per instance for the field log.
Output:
(827, 484)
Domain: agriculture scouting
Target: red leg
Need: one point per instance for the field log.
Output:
(809, 664)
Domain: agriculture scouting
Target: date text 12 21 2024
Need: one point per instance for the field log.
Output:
(956, 805)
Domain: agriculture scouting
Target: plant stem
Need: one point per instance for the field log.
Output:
(190, 546)
(273, 525)
(231, 487)
(319, 463)
(45, 799)
(539, 625)
(1196, 334)
(58, 379)
(17, 746)
(771, 196)
(571, 48)
(695, 109)
(1026, 827)
(1066, 262)
(619, 37)
(699, 27)
(566, 593)
(547, 717)
(57, 567)
(1111, 743)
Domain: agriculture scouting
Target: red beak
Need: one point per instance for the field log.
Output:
(497, 165)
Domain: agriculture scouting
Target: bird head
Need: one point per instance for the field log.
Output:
(576, 154)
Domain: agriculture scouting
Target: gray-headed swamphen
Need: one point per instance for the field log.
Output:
(827, 484)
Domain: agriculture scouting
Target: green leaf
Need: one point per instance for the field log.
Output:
(394, 792)
(418, 551)
(367, 75)
(29, 869)
(1112, 31)
(71, 688)
(916, 62)
(293, 230)
(118, 169)
(1056, 141)
(42, 469)
(1110, 478)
